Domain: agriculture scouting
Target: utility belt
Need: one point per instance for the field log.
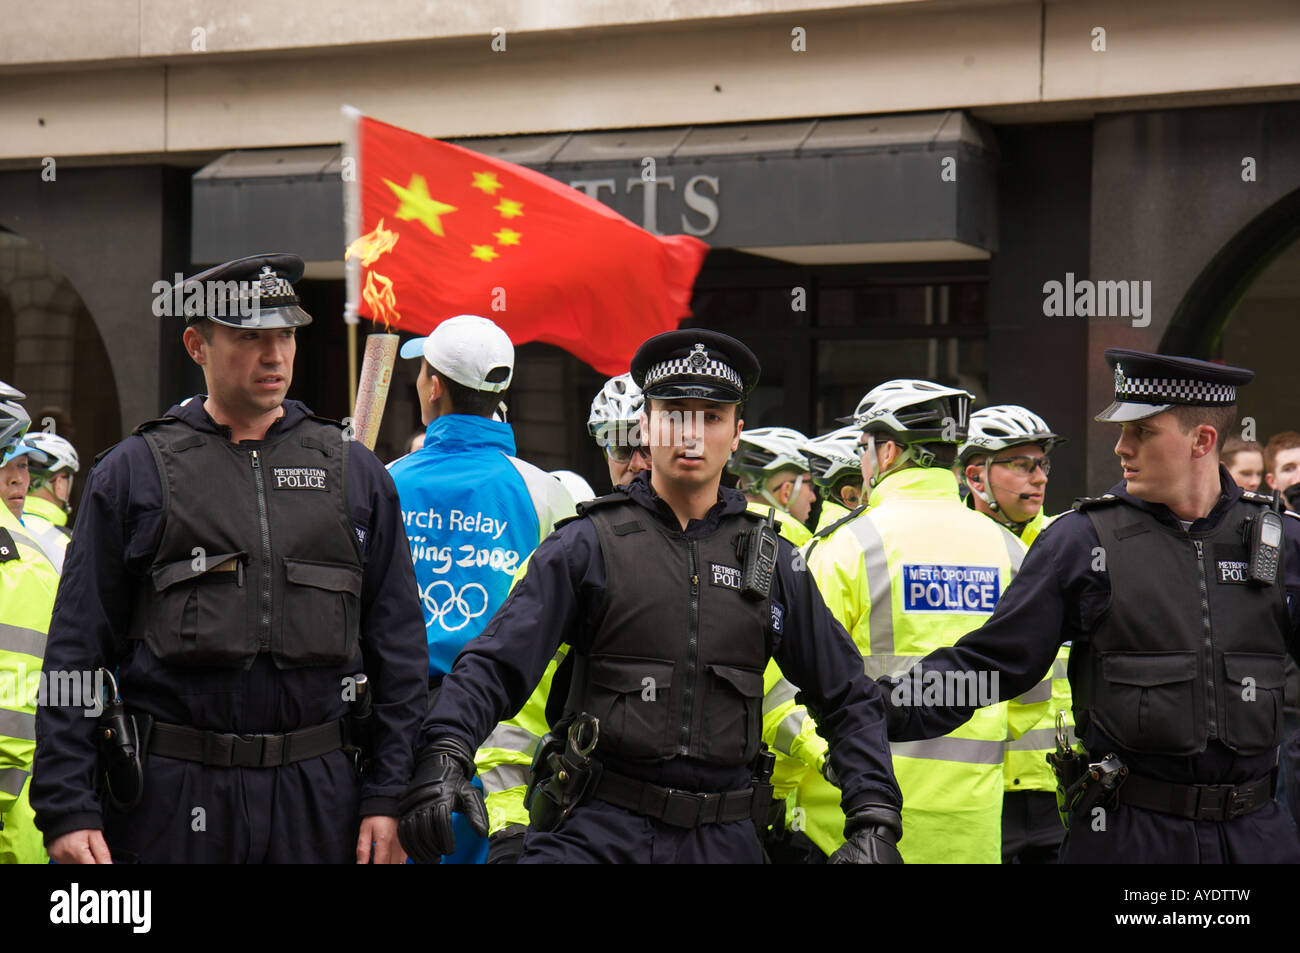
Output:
(1082, 786)
(125, 740)
(564, 776)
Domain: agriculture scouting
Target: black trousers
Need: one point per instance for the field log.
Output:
(600, 833)
(303, 813)
(1131, 835)
(1031, 828)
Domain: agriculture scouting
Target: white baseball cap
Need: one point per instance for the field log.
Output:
(470, 350)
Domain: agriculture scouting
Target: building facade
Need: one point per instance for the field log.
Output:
(986, 194)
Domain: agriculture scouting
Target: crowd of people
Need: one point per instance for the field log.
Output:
(306, 656)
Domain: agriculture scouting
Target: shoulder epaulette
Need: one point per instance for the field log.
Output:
(1085, 502)
(586, 506)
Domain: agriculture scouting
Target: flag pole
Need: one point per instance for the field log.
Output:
(351, 173)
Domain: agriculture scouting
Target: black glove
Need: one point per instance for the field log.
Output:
(439, 786)
(872, 832)
(506, 846)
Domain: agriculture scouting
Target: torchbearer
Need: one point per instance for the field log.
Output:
(1180, 594)
(673, 599)
(240, 566)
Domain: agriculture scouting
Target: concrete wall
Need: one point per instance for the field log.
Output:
(121, 77)
(1167, 196)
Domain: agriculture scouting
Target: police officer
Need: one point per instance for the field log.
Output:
(837, 472)
(912, 571)
(614, 421)
(27, 586)
(48, 503)
(1005, 462)
(671, 629)
(774, 474)
(240, 565)
(1181, 595)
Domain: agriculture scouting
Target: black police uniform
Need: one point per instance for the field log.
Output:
(1176, 660)
(668, 655)
(238, 656)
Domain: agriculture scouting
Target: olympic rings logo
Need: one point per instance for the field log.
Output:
(467, 604)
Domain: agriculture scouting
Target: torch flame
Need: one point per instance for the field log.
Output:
(379, 296)
(369, 247)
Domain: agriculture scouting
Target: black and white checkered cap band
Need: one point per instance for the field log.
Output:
(683, 366)
(1159, 390)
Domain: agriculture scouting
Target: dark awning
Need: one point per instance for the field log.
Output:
(810, 191)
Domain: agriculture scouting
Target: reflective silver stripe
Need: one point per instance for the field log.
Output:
(1041, 692)
(504, 777)
(876, 566)
(17, 724)
(12, 780)
(781, 693)
(551, 501)
(1060, 669)
(19, 638)
(1015, 549)
(788, 731)
(512, 738)
(964, 750)
(878, 665)
(1039, 739)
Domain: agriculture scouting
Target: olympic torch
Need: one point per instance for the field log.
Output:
(372, 390)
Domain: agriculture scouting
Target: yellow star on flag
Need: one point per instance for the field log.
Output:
(483, 252)
(418, 206)
(507, 236)
(509, 208)
(487, 181)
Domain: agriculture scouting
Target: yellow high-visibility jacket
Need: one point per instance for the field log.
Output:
(28, 584)
(913, 572)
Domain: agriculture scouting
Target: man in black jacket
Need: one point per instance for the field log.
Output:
(239, 564)
(670, 638)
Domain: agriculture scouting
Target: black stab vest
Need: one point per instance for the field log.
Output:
(674, 665)
(1188, 651)
(257, 551)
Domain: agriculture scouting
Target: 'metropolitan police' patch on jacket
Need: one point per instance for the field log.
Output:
(950, 588)
(298, 478)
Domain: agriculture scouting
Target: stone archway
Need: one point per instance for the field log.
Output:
(51, 349)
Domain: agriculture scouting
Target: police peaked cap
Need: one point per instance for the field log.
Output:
(263, 294)
(695, 363)
(1148, 384)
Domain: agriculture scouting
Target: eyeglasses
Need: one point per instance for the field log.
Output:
(623, 453)
(1026, 466)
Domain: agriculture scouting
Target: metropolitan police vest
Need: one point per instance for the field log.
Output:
(1189, 651)
(257, 551)
(675, 664)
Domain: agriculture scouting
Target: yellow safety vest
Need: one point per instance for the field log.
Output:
(1025, 766)
(43, 520)
(791, 528)
(914, 572)
(831, 513)
(28, 584)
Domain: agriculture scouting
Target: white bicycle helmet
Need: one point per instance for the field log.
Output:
(14, 421)
(912, 412)
(833, 456)
(578, 488)
(764, 451)
(616, 408)
(62, 455)
(997, 428)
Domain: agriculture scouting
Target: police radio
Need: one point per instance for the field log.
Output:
(758, 550)
(1264, 541)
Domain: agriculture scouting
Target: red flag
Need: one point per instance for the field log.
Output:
(443, 230)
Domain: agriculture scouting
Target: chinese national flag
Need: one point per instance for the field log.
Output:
(444, 231)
